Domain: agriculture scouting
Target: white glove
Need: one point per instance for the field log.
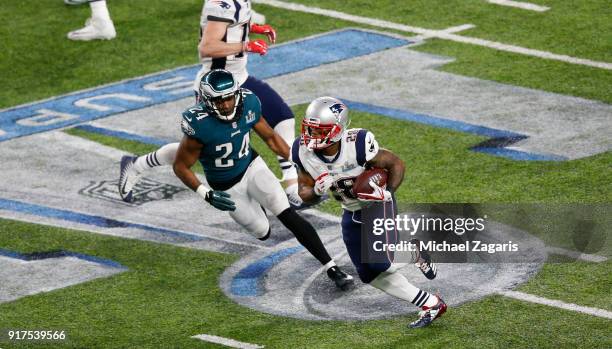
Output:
(323, 183)
(379, 194)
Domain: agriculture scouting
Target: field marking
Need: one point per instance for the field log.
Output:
(440, 34)
(449, 30)
(520, 4)
(576, 254)
(557, 304)
(228, 342)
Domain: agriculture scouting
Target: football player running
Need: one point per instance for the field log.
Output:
(216, 132)
(225, 44)
(329, 156)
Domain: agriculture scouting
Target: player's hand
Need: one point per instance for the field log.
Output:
(379, 194)
(220, 199)
(257, 46)
(323, 183)
(266, 30)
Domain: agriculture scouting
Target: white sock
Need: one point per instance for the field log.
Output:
(330, 264)
(398, 286)
(163, 156)
(99, 10)
(286, 129)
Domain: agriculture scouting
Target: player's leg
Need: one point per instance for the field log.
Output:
(132, 168)
(98, 26)
(265, 189)
(383, 275)
(249, 213)
(280, 117)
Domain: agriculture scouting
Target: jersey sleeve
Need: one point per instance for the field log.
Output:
(295, 154)
(218, 10)
(366, 146)
(188, 126)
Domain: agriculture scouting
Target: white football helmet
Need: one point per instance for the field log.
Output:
(324, 124)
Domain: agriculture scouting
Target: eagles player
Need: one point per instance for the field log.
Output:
(224, 44)
(330, 156)
(217, 132)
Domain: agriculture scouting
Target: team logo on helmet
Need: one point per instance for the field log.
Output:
(337, 108)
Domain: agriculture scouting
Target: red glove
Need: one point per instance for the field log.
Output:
(257, 46)
(265, 29)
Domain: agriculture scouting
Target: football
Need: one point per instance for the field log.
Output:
(362, 182)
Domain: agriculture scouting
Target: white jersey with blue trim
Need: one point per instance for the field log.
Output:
(237, 13)
(357, 147)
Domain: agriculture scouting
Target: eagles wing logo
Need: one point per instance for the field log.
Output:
(187, 129)
(337, 108)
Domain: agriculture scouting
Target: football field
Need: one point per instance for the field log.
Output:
(505, 105)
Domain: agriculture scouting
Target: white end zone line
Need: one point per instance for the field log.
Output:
(558, 304)
(440, 34)
(450, 30)
(228, 342)
(520, 4)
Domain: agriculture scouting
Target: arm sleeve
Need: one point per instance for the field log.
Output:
(366, 146)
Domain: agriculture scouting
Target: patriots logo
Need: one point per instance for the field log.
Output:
(223, 4)
(337, 108)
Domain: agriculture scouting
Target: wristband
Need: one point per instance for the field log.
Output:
(202, 190)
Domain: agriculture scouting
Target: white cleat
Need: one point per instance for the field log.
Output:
(95, 29)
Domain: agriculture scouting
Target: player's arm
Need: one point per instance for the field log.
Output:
(272, 139)
(306, 187)
(212, 44)
(394, 166)
(186, 156)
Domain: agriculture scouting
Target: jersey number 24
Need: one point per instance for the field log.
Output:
(227, 148)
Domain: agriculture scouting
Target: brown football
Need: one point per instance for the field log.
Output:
(362, 182)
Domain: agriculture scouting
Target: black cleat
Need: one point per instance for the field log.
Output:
(428, 315)
(343, 280)
(424, 263)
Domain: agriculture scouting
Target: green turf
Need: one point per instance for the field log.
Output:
(171, 293)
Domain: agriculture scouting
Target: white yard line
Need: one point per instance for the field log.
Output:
(520, 4)
(441, 34)
(557, 304)
(576, 255)
(228, 342)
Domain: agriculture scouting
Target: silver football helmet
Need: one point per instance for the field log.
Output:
(324, 124)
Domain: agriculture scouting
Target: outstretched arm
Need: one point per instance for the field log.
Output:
(272, 139)
(394, 166)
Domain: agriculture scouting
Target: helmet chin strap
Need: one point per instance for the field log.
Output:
(231, 116)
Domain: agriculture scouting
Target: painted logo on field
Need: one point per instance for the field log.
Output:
(288, 281)
(146, 190)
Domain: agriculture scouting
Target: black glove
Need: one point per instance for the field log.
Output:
(220, 200)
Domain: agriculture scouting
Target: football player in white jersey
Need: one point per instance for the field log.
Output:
(329, 156)
(225, 28)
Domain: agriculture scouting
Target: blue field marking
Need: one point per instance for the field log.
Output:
(123, 135)
(172, 85)
(98, 221)
(62, 253)
(504, 138)
(247, 282)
